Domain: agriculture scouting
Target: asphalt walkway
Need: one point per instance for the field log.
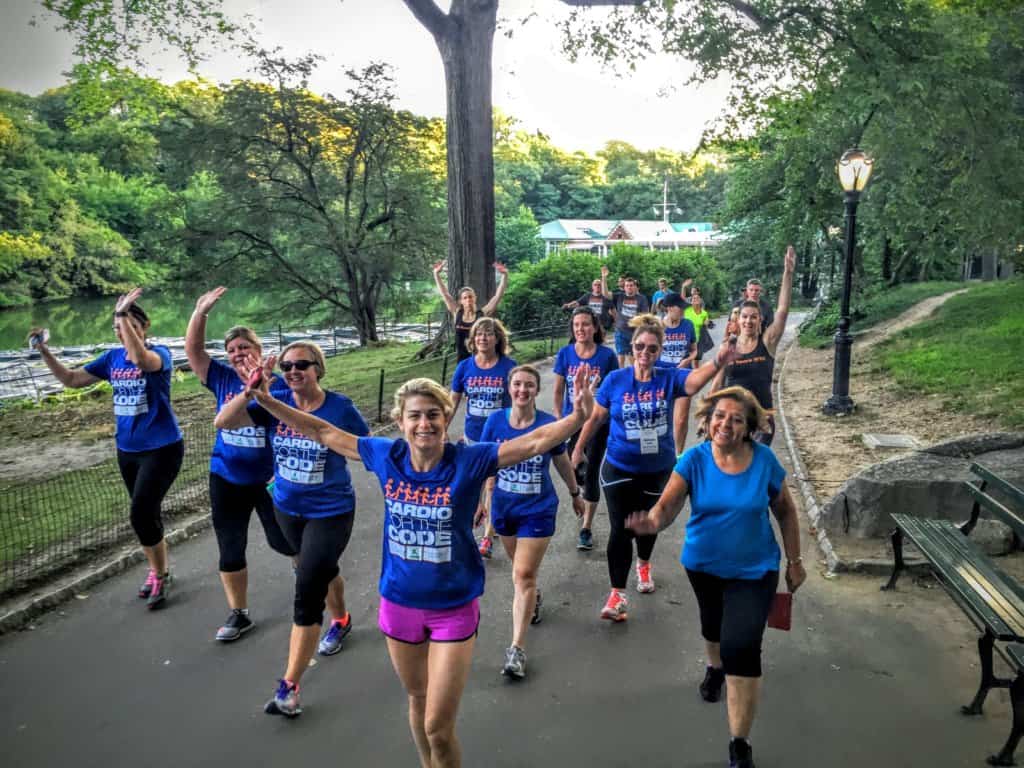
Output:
(104, 682)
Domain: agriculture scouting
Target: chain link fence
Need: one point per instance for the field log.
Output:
(49, 524)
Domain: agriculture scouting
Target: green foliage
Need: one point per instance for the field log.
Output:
(537, 291)
(969, 352)
(675, 266)
(867, 309)
(515, 238)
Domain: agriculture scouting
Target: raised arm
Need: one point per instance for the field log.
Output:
(491, 306)
(547, 437)
(664, 511)
(685, 285)
(135, 341)
(558, 395)
(785, 512)
(700, 376)
(604, 282)
(73, 378)
(195, 334)
(773, 333)
(443, 289)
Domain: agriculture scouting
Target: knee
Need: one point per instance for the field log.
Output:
(741, 659)
(440, 733)
(145, 522)
(524, 578)
(311, 593)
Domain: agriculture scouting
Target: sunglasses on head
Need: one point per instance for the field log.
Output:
(299, 365)
(652, 349)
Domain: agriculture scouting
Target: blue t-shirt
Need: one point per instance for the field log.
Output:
(430, 558)
(525, 487)
(311, 480)
(241, 456)
(142, 400)
(678, 341)
(567, 362)
(640, 437)
(485, 391)
(729, 534)
(658, 296)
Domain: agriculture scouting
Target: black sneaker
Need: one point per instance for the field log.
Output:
(740, 754)
(238, 624)
(585, 543)
(535, 619)
(711, 688)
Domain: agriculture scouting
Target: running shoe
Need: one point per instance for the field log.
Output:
(585, 542)
(616, 609)
(535, 619)
(238, 624)
(740, 754)
(515, 663)
(711, 688)
(285, 701)
(158, 594)
(486, 547)
(644, 581)
(335, 635)
(147, 585)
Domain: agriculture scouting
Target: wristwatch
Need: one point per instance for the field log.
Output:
(576, 494)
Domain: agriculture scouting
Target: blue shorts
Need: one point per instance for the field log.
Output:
(623, 342)
(538, 524)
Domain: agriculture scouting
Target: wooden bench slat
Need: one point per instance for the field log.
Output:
(996, 507)
(1014, 654)
(1005, 486)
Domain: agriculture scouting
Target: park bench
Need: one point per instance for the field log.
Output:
(991, 599)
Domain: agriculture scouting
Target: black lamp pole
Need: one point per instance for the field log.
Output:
(840, 403)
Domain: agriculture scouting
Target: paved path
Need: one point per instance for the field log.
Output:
(103, 682)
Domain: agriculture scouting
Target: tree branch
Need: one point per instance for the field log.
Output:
(430, 16)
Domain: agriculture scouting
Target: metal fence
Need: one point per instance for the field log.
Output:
(49, 524)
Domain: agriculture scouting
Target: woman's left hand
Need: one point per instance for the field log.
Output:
(577, 507)
(795, 576)
(583, 392)
(480, 516)
(126, 300)
(501, 268)
(266, 368)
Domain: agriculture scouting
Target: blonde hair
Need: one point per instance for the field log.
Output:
(524, 369)
(648, 324)
(423, 387)
(489, 324)
(242, 332)
(755, 416)
(314, 349)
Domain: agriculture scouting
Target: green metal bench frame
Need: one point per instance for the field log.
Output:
(993, 601)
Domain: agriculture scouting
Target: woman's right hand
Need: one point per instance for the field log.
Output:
(261, 389)
(438, 267)
(37, 338)
(205, 302)
(126, 300)
(641, 523)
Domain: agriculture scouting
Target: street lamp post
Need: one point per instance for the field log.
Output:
(854, 169)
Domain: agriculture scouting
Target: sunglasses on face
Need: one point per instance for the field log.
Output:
(652, 349)
(299, 365)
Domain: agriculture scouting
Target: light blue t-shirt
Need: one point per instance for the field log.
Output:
(142, 399)
(311, 480)
(525, 487)
(430, 558)
(484, 389)
(678, 342)
(567, 362)
(640, 436)
(729, 534)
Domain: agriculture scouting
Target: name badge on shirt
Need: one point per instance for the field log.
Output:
(648, 441)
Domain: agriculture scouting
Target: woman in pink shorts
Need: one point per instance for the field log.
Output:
(432, 574)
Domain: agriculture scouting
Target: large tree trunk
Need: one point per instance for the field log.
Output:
(465, 38)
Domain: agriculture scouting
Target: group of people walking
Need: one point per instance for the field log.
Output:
(284, 443)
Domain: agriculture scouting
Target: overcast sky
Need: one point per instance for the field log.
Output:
(580, 106)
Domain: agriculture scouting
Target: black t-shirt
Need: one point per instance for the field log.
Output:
(601, 306)
(753, 371)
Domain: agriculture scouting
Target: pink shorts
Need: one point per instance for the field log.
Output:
(416, 625)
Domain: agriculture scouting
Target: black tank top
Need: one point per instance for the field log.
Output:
(754, 371)
(462, 332)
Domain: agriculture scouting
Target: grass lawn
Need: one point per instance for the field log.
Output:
(869, 309)
(971, 350)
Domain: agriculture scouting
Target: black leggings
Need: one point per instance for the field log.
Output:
(319, 542)
(624, 493)
(591, 469)
(232, 507)
(148, 476)
(734, 612)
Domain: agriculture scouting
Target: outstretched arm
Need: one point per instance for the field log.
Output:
(664, 511)
(774, 332)
(698, 378)
(491, 306)
(443, 289)
(195, 334)
(599, 417)
(73, 378)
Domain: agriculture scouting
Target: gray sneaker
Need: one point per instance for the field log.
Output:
(285, 701)
(515, 663)
(585, 543)
(238, 624)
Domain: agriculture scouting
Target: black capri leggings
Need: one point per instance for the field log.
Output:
(148, 476)
(624, 493)
(734, 612)
(232, 507)
(319, 542)
(590, 477)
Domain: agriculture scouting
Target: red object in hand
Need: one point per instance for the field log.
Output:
(255, 378)
(781, 614)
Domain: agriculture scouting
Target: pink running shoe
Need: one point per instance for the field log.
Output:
(147, 586)
(644, 581)
(486, 547)
(616, 609)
